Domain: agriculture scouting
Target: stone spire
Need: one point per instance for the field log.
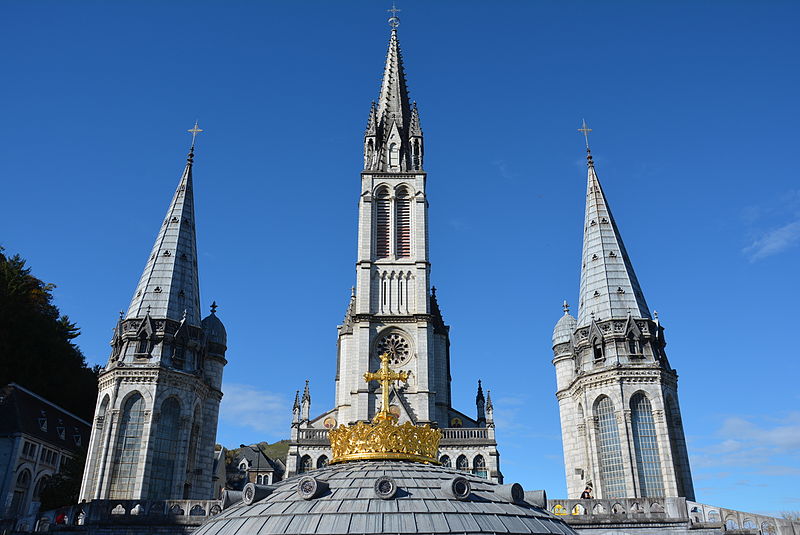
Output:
(609, 287)
(169, 284)
(393, 103)
(393, 138)
(480, 401)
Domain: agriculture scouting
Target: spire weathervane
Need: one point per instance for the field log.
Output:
(385, 376)
(394, 20)
(585, 131)
(194, 131)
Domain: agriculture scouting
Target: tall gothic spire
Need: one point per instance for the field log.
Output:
(169, 284)
(393, 139)
(393, 103)
(609, 287)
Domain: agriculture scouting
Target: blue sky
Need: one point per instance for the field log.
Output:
(694, 109)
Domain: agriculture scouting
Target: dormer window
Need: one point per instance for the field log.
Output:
(179, 356)
(598, 351)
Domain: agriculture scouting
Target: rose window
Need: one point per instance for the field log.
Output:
(396, 347)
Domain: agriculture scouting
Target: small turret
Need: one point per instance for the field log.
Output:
(481, 403)
(305, 407)
(296, 409)
(489, 409)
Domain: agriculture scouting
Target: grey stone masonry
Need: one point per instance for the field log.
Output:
(393, 308)
(155, 423)
(617, 393)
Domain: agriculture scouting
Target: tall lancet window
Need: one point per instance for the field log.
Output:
(125, 465)
(612, 471)
(645, 442)
(394, 155)
(383, 208)
(165, 452)
(403, 223)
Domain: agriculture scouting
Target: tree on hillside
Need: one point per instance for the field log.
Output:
(36, 342)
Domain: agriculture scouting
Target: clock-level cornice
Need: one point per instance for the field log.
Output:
(399, 176)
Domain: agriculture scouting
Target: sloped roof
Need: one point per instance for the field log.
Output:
(22, 411)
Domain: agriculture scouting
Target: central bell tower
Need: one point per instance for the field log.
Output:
(393, 308)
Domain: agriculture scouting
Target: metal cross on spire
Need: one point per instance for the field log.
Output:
(585, 131)
(194, 131)
(394, 20)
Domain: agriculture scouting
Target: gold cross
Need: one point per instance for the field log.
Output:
(194, 131)
(394, 20)
(585, 131)
(385, 376)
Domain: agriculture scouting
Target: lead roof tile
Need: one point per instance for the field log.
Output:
(334, 523)
(490, 523)
(303, 524)
(459, 522)
(275, 525)
(514, 524)
(366, 523)
(406, 505)
(377, 505)
(354, 506)
(399, 523)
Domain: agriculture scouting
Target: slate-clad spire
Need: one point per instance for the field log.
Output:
(169, 284)
(609, 287)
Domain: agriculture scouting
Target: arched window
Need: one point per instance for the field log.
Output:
(598, 350)
(259, 480)
(20, 490)
(731, 524)
(479, 466)
(767, 528)
(39, 487)
(462, 463)
(126, 450)
(645, 443)
(713, 516)
(383, 209)
(444, 460)
(100, 422)
(306, 464)
(394, 155)
(611, 468)
(322, 462)
(403, 224)
(194, 439)
(165, 452)
(633, 345)
(179, 355)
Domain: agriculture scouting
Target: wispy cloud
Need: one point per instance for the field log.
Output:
(248, 406)
(773, 227)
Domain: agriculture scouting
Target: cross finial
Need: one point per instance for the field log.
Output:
(213, 307)
(565, 306)
(394, 20)
(585, 129)
(385, 376)
(194, 131)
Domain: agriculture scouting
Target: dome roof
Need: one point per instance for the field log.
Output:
(564, 329)
(214, 329)
(386, 497)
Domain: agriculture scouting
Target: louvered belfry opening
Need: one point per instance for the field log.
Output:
(403, 224)
(382, 230)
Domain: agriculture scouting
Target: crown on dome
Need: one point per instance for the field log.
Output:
(384, 439)
(214, 328)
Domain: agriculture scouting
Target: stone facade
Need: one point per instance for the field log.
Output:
(155, 424)
(617, 393)
(393, 307)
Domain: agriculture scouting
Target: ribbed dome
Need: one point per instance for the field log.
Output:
(564, 329)
(387, 497)
(214, 329)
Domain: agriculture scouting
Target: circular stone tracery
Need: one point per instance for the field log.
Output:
(396, 347)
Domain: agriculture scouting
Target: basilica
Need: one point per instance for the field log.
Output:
(393, 455)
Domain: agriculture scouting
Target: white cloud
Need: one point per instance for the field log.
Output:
(774, 241)
(247, 406)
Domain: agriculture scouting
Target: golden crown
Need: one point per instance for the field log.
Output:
(385, 439)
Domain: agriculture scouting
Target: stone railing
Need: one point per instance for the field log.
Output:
(620, 510)
(316, 436)
(449, 435)
(132, 512)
